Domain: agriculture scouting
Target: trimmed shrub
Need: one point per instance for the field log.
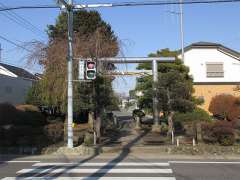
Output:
(20, 135)
(197, 115)
(225, 106)
(54, 132)
(207, 133)
(164, 128)
(138, 113)
(26, 115)
(224, 133)
(31, 116)
(88, 139)
(27, 107)
(8, 114)
(221, 132)
(178, 127)
(191, 121)
(8, 137)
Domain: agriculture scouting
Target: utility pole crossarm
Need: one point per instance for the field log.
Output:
(82, 6)
(62, 2)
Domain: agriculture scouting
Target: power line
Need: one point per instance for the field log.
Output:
(15, 44)
(124, 4)
(161, 3)
(21, 21)
(29, 7)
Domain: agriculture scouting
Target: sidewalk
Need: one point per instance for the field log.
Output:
(130, 156)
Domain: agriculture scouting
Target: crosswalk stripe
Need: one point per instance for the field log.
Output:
(90, 178)
(19, 161)
(93, 170)
(102, 164)
(203, 162)
(75, 170)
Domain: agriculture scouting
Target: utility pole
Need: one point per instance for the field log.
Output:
(70, 73)
(69, 9)
(181, 28)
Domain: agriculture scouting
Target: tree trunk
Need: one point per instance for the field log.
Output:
(170, 125)
(91, 120)
(138, 123)
(199, 132)
(98, 127)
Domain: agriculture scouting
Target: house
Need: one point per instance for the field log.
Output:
(14, 84)
(215, 70)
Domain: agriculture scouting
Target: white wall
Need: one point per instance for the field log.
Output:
(196, 60)
(13, 89)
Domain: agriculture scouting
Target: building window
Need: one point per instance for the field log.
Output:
(8, 89)
(214, 70)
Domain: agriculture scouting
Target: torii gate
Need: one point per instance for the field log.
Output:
(136, 60)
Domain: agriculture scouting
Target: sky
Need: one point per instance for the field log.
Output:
(141, 30)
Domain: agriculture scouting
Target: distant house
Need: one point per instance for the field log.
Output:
(14, 84)
(215, 70)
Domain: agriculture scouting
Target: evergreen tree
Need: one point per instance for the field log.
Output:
(93, 38)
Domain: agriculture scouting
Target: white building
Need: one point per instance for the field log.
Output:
(14, 84)
(215, 69)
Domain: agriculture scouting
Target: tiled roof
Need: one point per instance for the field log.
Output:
(20, 72)
(213, 45)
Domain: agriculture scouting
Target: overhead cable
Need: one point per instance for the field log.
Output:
(15, 44)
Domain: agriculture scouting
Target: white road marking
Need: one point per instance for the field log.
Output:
(152, 168)
(61, 170)
(202, 162)
(90, 178)
(101, 164)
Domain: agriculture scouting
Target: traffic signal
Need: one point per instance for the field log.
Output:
(91, 70)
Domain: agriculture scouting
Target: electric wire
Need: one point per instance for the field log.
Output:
(20, 24)
(125, 4)
(161, 3)
(15, 44)
(29, 7)
(21, 21)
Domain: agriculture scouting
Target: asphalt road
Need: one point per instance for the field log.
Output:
(117, 169)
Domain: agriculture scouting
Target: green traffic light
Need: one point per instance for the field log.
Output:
(91, 74)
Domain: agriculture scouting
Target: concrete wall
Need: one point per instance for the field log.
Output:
(196, 60)
(14, 89)
(209, 91)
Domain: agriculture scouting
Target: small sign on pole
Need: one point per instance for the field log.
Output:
(81, 70)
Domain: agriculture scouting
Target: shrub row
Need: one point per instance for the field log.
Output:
(220, 131)
(22, 115)
(31, 136)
